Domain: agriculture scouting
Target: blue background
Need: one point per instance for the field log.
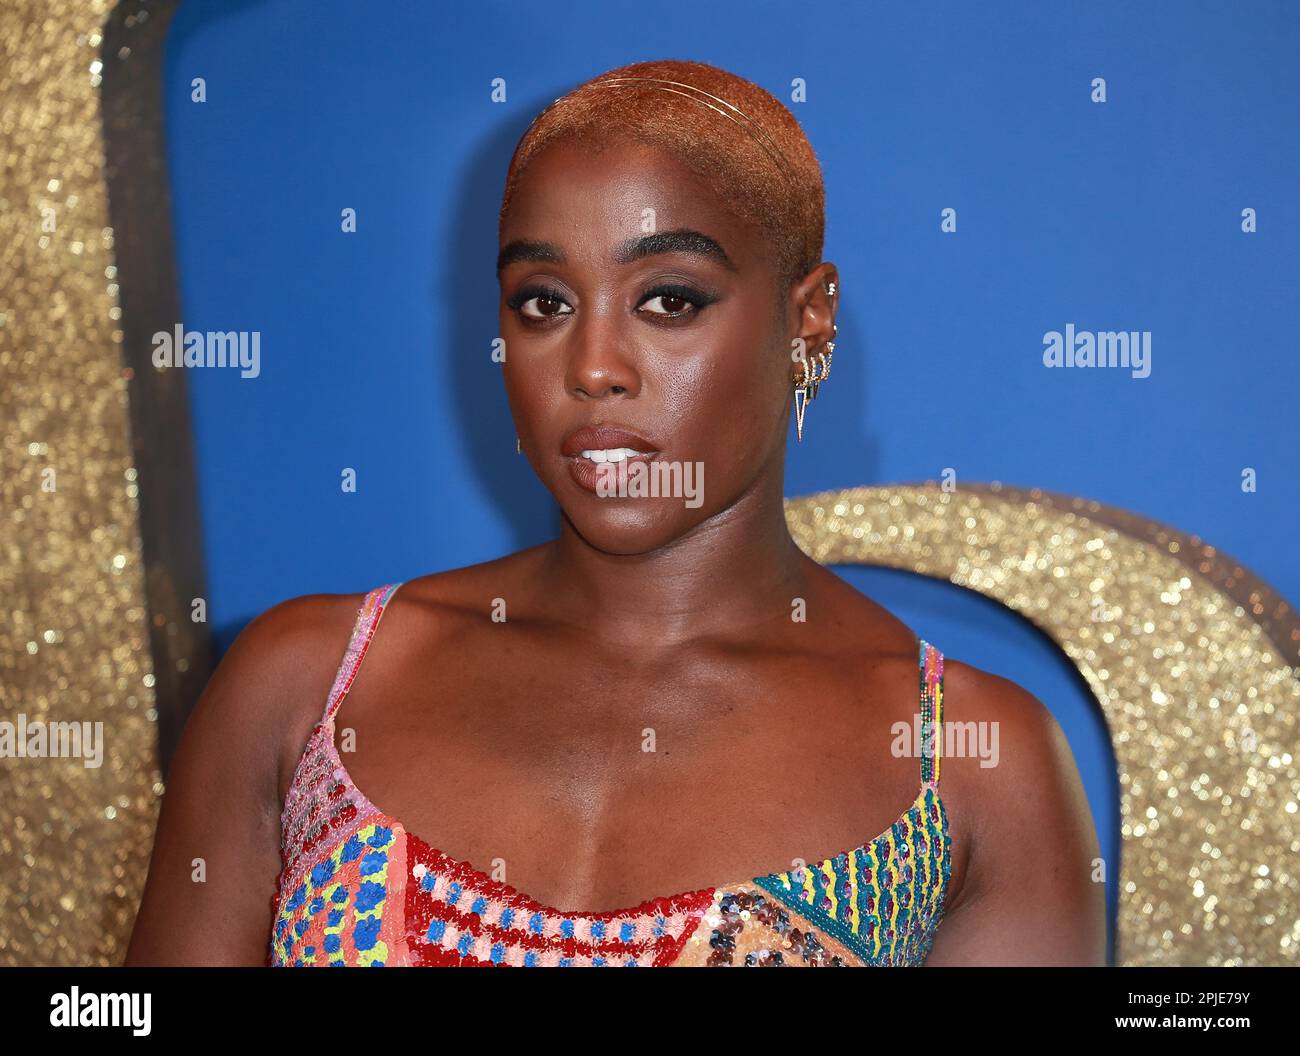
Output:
(1117, 216)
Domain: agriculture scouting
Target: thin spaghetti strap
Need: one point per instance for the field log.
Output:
(931, 665)
(367, 620)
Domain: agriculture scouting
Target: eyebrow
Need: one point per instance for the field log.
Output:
(681, 240)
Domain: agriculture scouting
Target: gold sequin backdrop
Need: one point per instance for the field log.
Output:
(1192, 659)
(100, 551)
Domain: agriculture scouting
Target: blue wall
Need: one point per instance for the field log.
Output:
(1117, 216)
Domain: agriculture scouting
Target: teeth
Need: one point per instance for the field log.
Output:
(615, 454)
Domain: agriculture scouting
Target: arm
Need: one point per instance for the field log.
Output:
(216, 857)
(1028, 897)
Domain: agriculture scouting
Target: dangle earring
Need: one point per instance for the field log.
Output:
(800, 400)
(518, 450)
(812, 376)
(806, 388)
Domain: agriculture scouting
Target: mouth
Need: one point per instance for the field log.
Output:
(592, 448)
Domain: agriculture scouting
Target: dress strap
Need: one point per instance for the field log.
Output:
(367, 620)
(931, 665)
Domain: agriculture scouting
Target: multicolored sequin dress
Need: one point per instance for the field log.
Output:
(357, 888)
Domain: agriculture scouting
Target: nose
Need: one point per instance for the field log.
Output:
(597, 365)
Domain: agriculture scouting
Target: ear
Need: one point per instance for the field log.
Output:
(816, 307)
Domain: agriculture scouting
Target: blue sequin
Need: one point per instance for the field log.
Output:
(369, 895)
(374, 862)
(366, 932)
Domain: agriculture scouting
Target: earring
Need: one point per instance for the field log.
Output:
(809, 383)
(518, 450)
(824, 362)
(800, 400)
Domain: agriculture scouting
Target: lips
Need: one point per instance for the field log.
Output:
(604, 438)
(589, 475)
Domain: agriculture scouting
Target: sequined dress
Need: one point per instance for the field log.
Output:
(357, 888)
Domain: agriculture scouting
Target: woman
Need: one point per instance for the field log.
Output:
(667, 695)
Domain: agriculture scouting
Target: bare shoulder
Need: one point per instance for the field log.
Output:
(276, 677)
(1001, 731)
(1003, 751)
(220, 816)
(293, 638)
(1006, 765)
(1031, 891)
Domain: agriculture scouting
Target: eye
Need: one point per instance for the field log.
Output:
(540, 302)
(671, 301)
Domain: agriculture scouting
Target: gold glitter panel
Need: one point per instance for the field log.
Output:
(74, 839)
(1203, 706)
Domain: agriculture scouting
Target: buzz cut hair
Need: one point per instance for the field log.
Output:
(761, 163)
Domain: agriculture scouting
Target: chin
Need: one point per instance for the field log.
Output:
(629, 526)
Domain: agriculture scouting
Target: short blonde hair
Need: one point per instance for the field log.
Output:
(759, 160)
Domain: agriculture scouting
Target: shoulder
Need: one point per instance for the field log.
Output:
(1001, 743)
(1032, 886)
(1008, 775)
(293, 648)
(999, 729)
(279, 641)
(224, 796)
(272, 684)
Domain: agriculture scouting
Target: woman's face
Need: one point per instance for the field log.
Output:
(634, 304)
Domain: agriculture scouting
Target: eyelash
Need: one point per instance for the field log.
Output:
(668, 289)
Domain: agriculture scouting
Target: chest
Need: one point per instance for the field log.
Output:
(604, 780)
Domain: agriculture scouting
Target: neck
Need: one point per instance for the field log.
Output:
(738, 568)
